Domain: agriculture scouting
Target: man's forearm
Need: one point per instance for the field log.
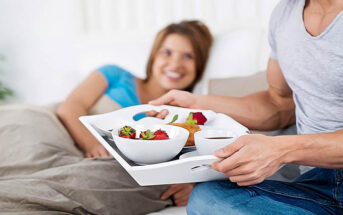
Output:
(255, 111)
(320, 150)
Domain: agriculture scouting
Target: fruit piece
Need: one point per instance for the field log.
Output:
(160, 135)
(196, 118)
(127, 132)
(146, 135)
(191, 128)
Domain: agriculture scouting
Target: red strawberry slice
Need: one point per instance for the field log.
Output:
(127, 132)
(196, 118)
(160, 135)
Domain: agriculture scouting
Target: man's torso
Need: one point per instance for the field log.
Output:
(312, 66)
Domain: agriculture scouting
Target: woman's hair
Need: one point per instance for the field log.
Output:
(200, 38)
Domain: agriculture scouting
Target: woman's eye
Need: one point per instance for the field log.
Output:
(166, 52)
(188, 56)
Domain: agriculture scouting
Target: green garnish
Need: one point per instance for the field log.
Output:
(190, 120)
(175, 118)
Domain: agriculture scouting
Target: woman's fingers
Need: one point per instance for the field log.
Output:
(97, 152)
(181, 201)
(169, 192)
(103, 153)
(181, 196)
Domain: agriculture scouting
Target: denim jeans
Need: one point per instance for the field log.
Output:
(318, 191)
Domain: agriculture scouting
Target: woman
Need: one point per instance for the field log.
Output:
(177, 61)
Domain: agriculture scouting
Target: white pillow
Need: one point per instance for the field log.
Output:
(234, 53)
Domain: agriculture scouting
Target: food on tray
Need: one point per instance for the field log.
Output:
(161, 135)
(146, 135)
(127, 132)
(157, 135)
(192, 123)
(130, 133)
(191, 128)
(196, 118)
(193, 120)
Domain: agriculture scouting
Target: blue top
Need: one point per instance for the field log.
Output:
(121, 85)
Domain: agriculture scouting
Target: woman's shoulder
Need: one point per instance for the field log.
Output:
(112, 71)
(113, 68)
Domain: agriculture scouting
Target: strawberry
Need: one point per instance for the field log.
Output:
(160, 135)
(127, 132)
(196, 118)
(146, 135)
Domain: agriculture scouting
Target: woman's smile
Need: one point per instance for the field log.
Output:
(172, 75)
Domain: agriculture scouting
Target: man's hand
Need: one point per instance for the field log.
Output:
(161, 115)
(96, 150)
(176, 98)
(250, 159)
(179, 192)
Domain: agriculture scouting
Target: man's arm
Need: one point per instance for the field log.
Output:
(321, 150)
(266, 110)
(253, 158)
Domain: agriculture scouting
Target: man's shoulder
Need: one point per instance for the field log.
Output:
(285, 5)
(284, 10)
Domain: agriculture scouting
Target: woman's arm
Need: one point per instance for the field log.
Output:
(77, 104)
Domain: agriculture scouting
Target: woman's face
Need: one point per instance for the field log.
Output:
(174, 64)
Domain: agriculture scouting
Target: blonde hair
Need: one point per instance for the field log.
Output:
(200, 38)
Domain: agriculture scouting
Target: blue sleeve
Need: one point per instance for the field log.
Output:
(121, 85)
(112, 74)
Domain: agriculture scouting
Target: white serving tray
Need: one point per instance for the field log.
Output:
(189, 169)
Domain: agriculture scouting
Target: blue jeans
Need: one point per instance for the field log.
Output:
(318, 191)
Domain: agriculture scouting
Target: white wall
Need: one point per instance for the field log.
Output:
(51, 45)
(37, 40)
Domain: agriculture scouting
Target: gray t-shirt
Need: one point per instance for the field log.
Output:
(312, 67)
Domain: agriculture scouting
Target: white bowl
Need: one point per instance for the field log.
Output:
(152, 151)
(205, 143)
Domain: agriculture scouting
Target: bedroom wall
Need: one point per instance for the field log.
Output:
(51, 45)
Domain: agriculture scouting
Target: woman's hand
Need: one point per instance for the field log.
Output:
(179, 192)
(176, 98)
(250, 159)
(96, 150)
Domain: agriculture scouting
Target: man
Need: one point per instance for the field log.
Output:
(305, 76)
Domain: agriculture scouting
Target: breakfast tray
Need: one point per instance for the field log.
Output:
(194, 168)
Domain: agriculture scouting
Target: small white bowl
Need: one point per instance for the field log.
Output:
(208, 141)
(152, 151)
